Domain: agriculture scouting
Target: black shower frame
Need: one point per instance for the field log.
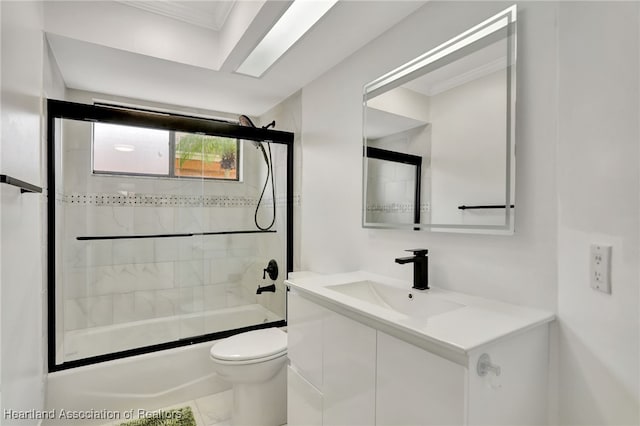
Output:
(166, 121)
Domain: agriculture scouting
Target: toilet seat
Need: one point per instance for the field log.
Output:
(248, 361)
(250, 347)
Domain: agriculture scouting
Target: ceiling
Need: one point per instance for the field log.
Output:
(185, 53)
(207, 14)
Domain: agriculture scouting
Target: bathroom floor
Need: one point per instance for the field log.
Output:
(212, 410)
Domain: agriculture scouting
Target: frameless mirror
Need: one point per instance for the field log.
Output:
(439, 135)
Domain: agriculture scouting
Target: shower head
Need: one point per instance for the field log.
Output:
(246, 121)
(243, 120)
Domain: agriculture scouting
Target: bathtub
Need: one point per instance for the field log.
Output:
(148, 381)
(93, 341)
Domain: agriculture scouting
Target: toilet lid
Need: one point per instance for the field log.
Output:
(251, 345)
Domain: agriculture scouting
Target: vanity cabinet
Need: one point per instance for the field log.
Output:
(415, 387)
(332, 357)
(343, 372)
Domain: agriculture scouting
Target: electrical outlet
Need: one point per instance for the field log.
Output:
(600, 269)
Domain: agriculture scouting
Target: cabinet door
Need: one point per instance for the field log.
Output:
(305, 337)
(304, 401)
(349, 372)
(415, 387)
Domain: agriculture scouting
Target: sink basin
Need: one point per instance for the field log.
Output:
(414, 304)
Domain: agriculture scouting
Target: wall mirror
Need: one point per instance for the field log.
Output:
(439, 136)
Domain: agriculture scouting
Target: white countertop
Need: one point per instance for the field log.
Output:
(452, 334)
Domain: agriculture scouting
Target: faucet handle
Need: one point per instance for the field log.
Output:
(271, 269)
(419, 252)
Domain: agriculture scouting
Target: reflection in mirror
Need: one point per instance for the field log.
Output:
(452, 111)
(393, 186)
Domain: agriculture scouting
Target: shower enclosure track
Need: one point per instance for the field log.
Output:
(190, 234)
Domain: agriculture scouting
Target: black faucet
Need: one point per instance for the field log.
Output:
(271, 288)
(420, 267)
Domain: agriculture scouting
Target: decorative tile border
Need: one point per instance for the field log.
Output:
(396, 208)
(167, 200)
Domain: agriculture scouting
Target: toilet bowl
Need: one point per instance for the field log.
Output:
(254, 364)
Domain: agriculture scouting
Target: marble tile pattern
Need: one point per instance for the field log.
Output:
(117, 281)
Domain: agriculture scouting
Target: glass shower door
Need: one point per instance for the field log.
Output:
(153, 247)
(234, 249)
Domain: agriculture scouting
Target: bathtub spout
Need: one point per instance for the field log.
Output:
(271, 288)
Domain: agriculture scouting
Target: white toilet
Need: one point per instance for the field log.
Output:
(254, 363)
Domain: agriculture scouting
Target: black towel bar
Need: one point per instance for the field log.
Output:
(484, 207)
(190, 234)
(24, 186)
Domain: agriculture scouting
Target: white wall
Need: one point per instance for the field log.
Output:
(576, 183)
(54, 87)
(21, 225)
(468, 151)
(598, 202)
(519, 269)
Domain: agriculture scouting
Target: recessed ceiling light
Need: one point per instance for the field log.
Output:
(124, 148)
(293, 24)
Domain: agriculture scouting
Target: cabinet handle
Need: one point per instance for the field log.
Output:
(485, 366)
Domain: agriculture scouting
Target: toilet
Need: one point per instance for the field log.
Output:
(254, 364)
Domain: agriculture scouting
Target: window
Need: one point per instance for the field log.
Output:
(130, 150)
(205, 156)
(137, 151)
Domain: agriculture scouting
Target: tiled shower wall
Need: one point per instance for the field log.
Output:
(115, 281)
(110, 282)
